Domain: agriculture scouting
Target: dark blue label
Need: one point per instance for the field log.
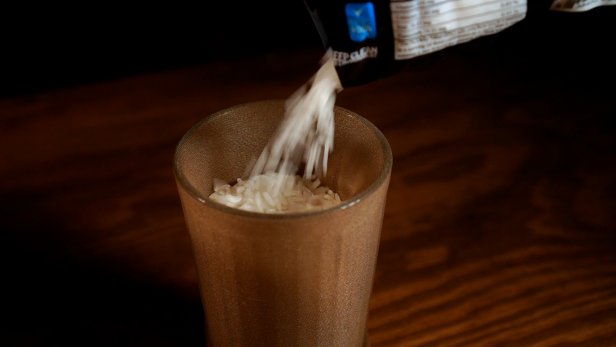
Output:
(361, 21)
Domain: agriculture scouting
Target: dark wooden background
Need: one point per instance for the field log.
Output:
(500, 226)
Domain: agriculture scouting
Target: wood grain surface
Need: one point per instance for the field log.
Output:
(500, 225)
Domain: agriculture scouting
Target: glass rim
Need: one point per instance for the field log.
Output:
(355, 199)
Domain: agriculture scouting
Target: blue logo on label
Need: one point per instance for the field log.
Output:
(361, 21)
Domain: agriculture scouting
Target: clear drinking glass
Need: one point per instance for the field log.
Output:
(300, 279)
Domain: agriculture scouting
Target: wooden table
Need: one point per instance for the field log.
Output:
(500, 226)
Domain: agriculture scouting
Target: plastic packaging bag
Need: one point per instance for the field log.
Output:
(374, 39)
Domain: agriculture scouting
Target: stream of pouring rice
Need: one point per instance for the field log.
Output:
(305, 136)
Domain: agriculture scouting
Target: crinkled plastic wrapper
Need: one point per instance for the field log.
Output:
(579, 5)
(374, 39)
